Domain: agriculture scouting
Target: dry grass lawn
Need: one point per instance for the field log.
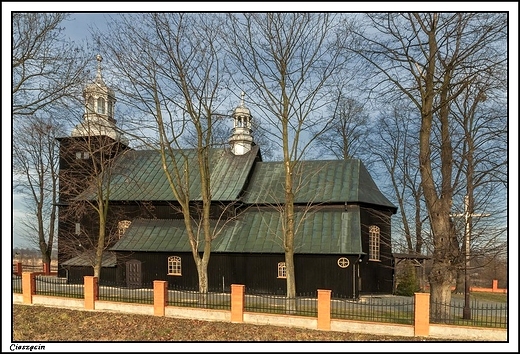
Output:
(48, 324)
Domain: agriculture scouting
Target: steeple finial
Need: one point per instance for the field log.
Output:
(99, 58)
(242, 99)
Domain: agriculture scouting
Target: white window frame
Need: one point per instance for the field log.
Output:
(174, 265)
(90, 105)
(101, 109)
(122, 226)
(374, 243)
(82, 155)
(282, 270)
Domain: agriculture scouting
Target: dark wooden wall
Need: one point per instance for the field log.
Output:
(258, 272)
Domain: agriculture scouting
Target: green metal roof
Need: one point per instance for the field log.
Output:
(87, 259)
(254, 231)
(138, 175)
(334, 181)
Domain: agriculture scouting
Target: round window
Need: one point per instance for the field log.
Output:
(343, 262)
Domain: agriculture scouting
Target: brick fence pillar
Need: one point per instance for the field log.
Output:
(28, 286)
(421, 314)
(19, 269)
(46, 268)
(495, 285)
(160, 297)
(324, 309)
(91, 292)
(237, 303)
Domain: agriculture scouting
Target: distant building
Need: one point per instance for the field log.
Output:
(343, 238)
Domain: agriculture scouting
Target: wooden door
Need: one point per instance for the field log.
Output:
(133, 273)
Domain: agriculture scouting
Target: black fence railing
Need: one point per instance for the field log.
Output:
(482, 314)
(117, 293)
(374, 309)
(54, 286)
(302, 304)
(391, 309)
(17, 284)
(190, 298)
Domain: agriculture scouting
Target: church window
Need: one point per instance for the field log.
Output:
(374, 243)
(174, 265)
(77, 230)
(282, 270)
(122, 226)
(101, 105)
(82, 155)
(90, 104)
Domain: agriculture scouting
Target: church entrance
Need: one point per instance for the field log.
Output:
(133, 274)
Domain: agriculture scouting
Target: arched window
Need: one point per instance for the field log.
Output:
(122, 226)
(374, 242)
(90, 105)
(101, 105)
(282, 270)
(174, 265)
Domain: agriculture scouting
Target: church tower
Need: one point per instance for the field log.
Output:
(92, 144)
(241, 140)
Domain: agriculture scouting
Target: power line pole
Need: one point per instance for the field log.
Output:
(466, 312)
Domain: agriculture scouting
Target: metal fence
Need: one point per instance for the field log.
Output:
(17, 284)
(392, 309)
(117, 293)
(54, 286)
(302, 304)
(190, 298)
(374, 309)
(491, 315)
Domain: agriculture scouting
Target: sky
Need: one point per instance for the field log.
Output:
(78, 29)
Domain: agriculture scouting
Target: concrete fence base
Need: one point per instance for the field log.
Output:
(420, 328)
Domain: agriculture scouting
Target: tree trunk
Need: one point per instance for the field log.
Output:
(202, 270)
(440, 293)
(291, 283)
(100, 247)
(459, 288)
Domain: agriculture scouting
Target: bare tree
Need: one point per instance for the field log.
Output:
(431, 58)
(46, 71)
(46, 67)
(35, 171)
(481, 162)
(348, 130)
(287, 62)
(172, 72)
(394, 144)
(85, 189)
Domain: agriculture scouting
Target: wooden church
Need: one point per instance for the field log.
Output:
(343, 237)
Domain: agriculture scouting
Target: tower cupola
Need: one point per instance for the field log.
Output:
(98, 116)
(241, 139)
